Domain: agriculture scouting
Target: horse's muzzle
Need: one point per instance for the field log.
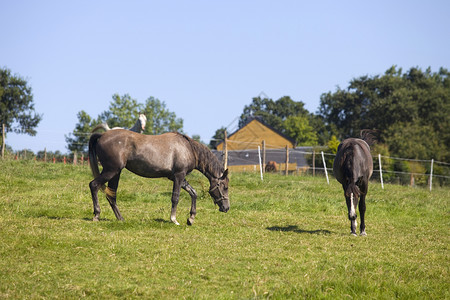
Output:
(224, 209)
(224, 204)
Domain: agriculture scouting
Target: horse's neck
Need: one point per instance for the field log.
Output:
(210, 174)
(136, 126)
(208, 164)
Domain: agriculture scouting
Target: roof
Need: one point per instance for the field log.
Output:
(253, 133)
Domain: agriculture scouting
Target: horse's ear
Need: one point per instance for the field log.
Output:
(225, 174)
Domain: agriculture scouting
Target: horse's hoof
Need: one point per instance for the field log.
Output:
(190, 221)
(95, 219)
(353, 234)
(363, 233)
(175, 222)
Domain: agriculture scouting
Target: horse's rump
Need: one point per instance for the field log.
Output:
(347, 166)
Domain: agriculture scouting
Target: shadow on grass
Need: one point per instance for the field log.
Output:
(294, 228)
(159, 220)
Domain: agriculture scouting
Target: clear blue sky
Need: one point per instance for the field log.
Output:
(206, 59)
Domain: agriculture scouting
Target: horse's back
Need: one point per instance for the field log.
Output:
(358, 152)
(147, 155)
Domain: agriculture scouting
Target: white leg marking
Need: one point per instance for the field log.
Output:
(352, 207)
(174, 220)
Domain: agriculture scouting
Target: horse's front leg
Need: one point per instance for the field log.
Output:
(177, 181)
(188, 188)
(111, 194)
(351, 205)
(362, 212)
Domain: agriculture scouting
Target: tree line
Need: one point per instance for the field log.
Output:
(410, 110)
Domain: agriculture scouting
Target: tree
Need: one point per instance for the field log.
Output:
(333, 144)
(78, 140)
(396, 102)
(414, 141)
(159, 118)
(324, 132)
(17, 112)
(218, 137)
(299, 129)
(273, 113)
(196, 137)
(122, 112)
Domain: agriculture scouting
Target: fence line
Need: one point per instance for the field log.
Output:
(421, 174)
(424, 174)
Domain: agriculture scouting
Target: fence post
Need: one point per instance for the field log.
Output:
(45, 154)
(381, 172)
(3, 141)
(75, 157)
(431, 173)
(325, 167)
(260, 165)
(225, 163)
(287, 160)
(263, 154)
(314, 162)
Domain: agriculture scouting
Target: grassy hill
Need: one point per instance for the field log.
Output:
(286, 237)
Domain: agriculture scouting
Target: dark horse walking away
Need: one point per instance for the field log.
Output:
(170, 155)
(353, 167)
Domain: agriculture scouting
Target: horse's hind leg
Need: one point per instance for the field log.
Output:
(111, 192)
(188, 188)
(95, 185)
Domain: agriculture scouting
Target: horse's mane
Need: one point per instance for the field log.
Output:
(369, 136)
(206, 161)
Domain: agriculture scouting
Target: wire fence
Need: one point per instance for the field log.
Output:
(314, 162)
(71, 158)
(311, 161)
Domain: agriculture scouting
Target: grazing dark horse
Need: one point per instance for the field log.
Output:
(170, 155)
(353, 167)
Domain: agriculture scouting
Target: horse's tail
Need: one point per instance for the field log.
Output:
(369, 136)
(93, 162)
(103, 126)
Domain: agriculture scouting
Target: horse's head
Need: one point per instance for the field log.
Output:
(219, 191)
(143, 121)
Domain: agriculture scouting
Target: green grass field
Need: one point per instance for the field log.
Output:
(284, 238)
